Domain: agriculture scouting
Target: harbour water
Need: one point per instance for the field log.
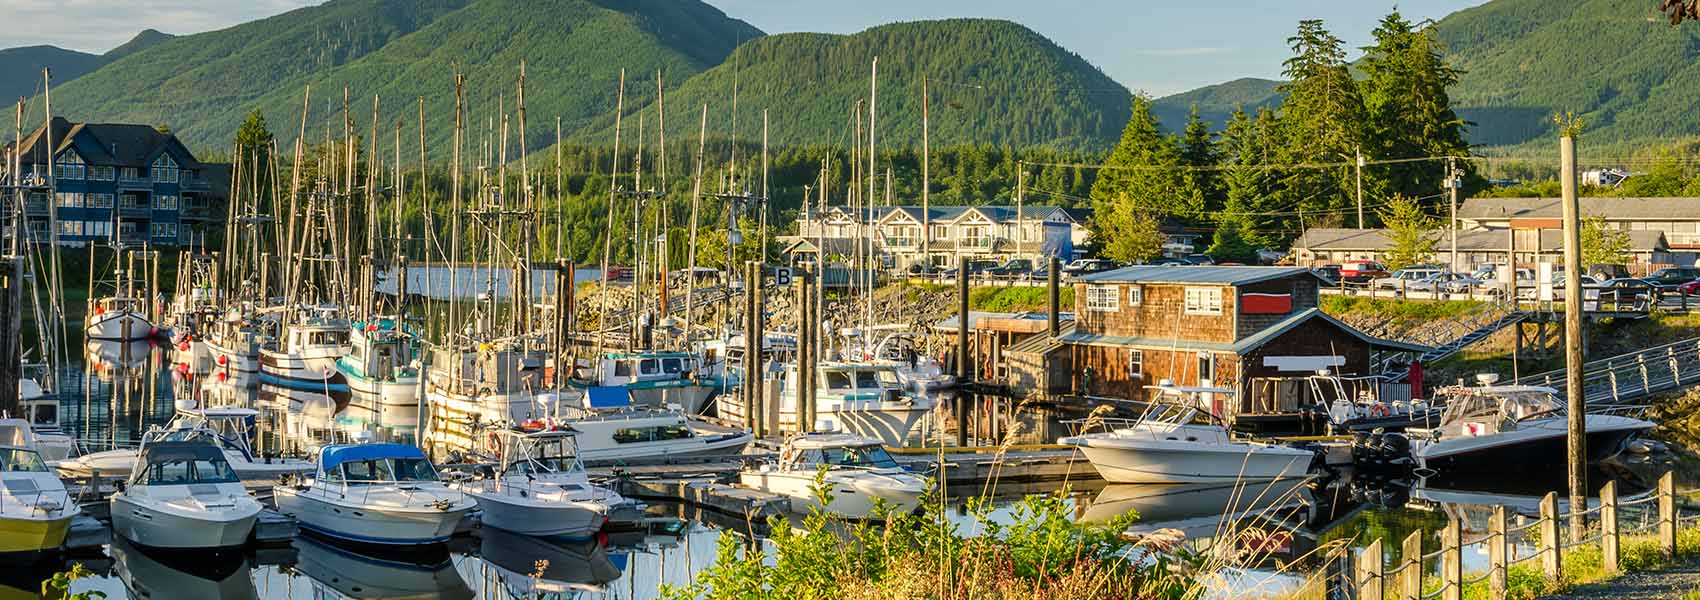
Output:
(117, 392)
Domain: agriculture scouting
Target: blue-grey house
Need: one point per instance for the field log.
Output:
(119, 182)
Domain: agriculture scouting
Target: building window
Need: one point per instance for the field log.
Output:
(70, 166)
(70, 228)
(100, 173)
(69, 199)
(164, 169)
(1102, 298)
(97, 228)
(1203, 301)
(165, 230)
(100, 200)
(941, 232)
(165, 202)
(1135, 295)
(1136, 363)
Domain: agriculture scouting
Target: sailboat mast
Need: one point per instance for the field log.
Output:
(608, 233)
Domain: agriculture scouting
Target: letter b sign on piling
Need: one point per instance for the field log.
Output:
(782, 276)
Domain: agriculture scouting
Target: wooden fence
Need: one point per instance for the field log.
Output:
(1372, 579)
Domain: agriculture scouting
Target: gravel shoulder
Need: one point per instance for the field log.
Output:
(1666, 584)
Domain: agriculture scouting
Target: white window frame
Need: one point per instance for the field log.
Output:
(164, 169)
(71, 228)
(71, 167)
(1136, 363)
(1135, 295)
(165, 202)
(1102, 298)
(1203, 301)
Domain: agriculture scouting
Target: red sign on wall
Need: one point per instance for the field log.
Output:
(1252, 303)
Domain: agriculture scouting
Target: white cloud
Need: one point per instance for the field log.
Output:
(1192, 51)
(99, 25)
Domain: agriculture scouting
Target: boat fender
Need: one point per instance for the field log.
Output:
(1378, 410)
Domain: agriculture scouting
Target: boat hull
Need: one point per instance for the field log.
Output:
(119, 326)
(1539, 449)
(399, 392)
(364, 524)
(305, 373)
(33, 535)
(244, 361)
(149, 526)
(1148, 461)
(527, 516)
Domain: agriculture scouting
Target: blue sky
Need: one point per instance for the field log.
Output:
(1157, 46)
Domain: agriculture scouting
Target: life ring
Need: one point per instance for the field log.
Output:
(493, 443)
(1378, 410)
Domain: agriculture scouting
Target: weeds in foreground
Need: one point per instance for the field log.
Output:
(1584, 565)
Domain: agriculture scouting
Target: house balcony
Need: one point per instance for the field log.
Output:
(135, 210)
(196, 213)
(135, 182)
(901, 242)
(35, 208)
(196, 184)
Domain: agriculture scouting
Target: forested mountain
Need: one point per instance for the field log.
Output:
(1216, 102)
(20, 68)
(991, 82)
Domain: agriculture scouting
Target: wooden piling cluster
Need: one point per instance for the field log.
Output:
(808, 328)
(1372, 578)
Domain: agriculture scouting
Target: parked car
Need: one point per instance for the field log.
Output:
(1014, 269)
(1669, 278)
(1361, 271)
(1199, 259)
(1088, 266)
(1689, 289)
(975, 268)
(1623, 287)
(1403, 278)
(1459, 283)
(1271, 257)
(1330, 274)
(923, 269)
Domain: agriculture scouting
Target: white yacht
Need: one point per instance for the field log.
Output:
(35, 509)
(229, 428)
(917, 372)
(183, 495)
(539, 487)
(306, 356)
(858, 473)
(864, 399)
(607, 429)
(383, 494)
(1486, 428)
(380, 362)
(1175, 441)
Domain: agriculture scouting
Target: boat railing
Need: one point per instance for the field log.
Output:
(1106, 424)
(33, 502)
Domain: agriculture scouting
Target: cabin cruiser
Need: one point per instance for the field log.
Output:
(608, 429)
(539, 487)
(384, 494)
(863, 399)
(183, 495)
(917, 372)
(380, 362)
(658, 379)
(229, 428)
(1177, 441)
(118, 319)
(858, 471)
(1487, 428)
(35, 509)
(471, 389)
(306, 356)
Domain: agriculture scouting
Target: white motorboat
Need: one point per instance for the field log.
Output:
(864, 399)
(857, 473)
(380, 362)
(35, 509)
(183, 495)
(118, 319)
(539, 487)
(607, 429)
(383, 494)
(1175, 441)
(229, 428)
(917, 372)
(1486, 428)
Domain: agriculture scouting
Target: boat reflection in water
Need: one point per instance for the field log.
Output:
(1197, 507)
(180, 575)
(529, 567)
(343, 572)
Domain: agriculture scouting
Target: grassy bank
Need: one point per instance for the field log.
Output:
(1583, 565)
(995, 299)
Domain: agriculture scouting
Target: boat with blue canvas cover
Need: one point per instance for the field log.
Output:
(381, 494)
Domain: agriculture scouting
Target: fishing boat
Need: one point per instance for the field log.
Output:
(1486, 428)
(658, 379)
(183, 495)
(609, 429)
(35, 509)
(382, 494)
(864, 399)
(860, 477)
(380, 363)
(306, 356)
(231, 429)
(918, 372)
(118, 319)
(540, 488)
(234, 341)
(471, 391)
(1176, 441)
(723, 359)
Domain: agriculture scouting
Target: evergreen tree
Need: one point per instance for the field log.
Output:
(254, 144)
(1411, 232)
(1325, 114)
(1245, 225)
(1198, 149)
(1141, 179)
(1409, 112)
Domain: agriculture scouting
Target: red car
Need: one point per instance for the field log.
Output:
(1690, 288)
(1361, 271)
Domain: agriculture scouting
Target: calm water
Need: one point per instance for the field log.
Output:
(118, 392)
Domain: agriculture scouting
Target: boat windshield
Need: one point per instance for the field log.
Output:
(1171, 414)
(18, 460)
(872, 456)
(186, 470)
(384, 470)
(548, 455)
(1515, 405)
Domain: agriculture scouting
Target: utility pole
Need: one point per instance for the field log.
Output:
(1020, 202)
(1452, 181)
(1578, 435)
(926, 180)
(1360, 178)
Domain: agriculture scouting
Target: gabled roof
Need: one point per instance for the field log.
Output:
(1682, 209)
(999, 213)
(115, 144)
(1244, 345)
(1476, 240)
(1203, 274)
